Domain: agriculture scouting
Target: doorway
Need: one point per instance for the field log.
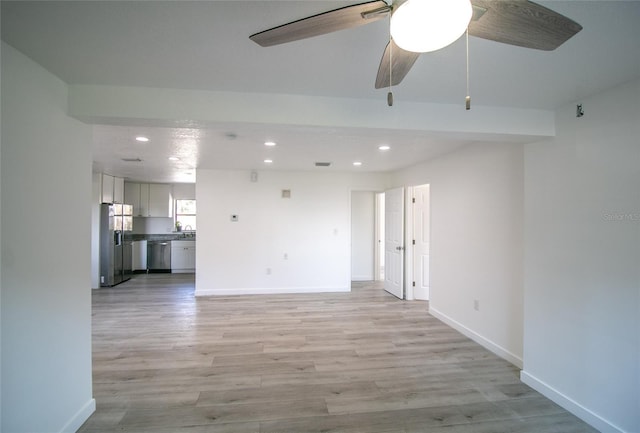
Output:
(379, 242)
(394, 242)
(391, 238)
(407, 239)
(367, 236)
(419, 234)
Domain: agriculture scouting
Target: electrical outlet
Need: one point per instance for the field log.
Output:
(476, 305)
(268, 271)
(286, 256)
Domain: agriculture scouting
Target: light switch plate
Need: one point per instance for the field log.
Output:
(234, 218)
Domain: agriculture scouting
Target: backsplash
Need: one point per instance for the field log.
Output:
(146, 226)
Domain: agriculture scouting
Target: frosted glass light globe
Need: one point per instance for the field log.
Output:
(429, 25)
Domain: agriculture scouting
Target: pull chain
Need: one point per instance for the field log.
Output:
(468, 98)
(390, 93)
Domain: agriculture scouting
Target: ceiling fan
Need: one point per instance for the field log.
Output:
(514, 22)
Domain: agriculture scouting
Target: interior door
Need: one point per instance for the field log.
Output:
(394, 242)
(421, 237)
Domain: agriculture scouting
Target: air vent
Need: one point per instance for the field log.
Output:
(323, 164)
(131, 159)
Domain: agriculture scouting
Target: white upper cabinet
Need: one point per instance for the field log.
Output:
(118, 190)
(107, 188)
(132, 196)
(112, 189)
(143, 207)
(160, 200)
(149, 200)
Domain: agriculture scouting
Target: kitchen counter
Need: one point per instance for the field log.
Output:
(176, 236)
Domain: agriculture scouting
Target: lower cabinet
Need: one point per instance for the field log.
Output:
(183, 256)
(139, 256)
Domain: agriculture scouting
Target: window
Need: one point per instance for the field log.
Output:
(186, 214)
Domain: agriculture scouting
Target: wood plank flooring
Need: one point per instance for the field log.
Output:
(165, 362)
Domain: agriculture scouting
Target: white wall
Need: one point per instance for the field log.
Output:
(46, 301)
(362, 235)
(476, 242)
(312, 228)
(184, 191)
(582, 261)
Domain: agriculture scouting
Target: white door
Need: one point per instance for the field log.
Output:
(421, 238)
(379, 267)
(394, 242)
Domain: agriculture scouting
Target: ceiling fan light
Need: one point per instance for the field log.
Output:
(422, 26)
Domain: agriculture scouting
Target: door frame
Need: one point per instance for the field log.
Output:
(376, 247)
(379, 236)
(410, 220)
(408, 241)
(398, 288)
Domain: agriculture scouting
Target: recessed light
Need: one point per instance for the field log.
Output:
(357, 163)
(384, 147)
(270, 143)
(174, 158)
(268, 161)
(142, 139)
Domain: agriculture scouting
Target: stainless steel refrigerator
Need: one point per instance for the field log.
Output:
(116, 224)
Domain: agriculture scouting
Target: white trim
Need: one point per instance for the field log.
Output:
(378, 250)
(362, 278)
(80, 417)
(409, 248)
(484, 342)
(269, 291)
(569, 404)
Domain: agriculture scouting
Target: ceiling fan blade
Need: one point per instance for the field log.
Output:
(402, 62)
(327, 22)
(522, 23)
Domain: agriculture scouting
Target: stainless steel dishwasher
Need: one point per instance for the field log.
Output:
(159, 256)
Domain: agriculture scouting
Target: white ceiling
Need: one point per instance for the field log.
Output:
(204, 45)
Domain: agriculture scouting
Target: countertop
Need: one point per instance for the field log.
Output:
(176, 236)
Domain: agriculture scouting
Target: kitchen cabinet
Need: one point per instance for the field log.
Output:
(132, 196)
(107, 188)
(139, 256)
(149, 200)
(183, 256)
(118, 190)
(137, 195)
(160, 200)
(143, 204)
(112, 189)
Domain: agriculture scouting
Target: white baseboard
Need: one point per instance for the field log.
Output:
(484, 342)
(569, 404)
(269, 291)
(362, 278)
(80, 417)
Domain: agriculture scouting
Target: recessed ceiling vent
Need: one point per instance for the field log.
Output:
(131, 159)
(323, 164)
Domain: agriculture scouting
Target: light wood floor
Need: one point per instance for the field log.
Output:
(165, 362)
